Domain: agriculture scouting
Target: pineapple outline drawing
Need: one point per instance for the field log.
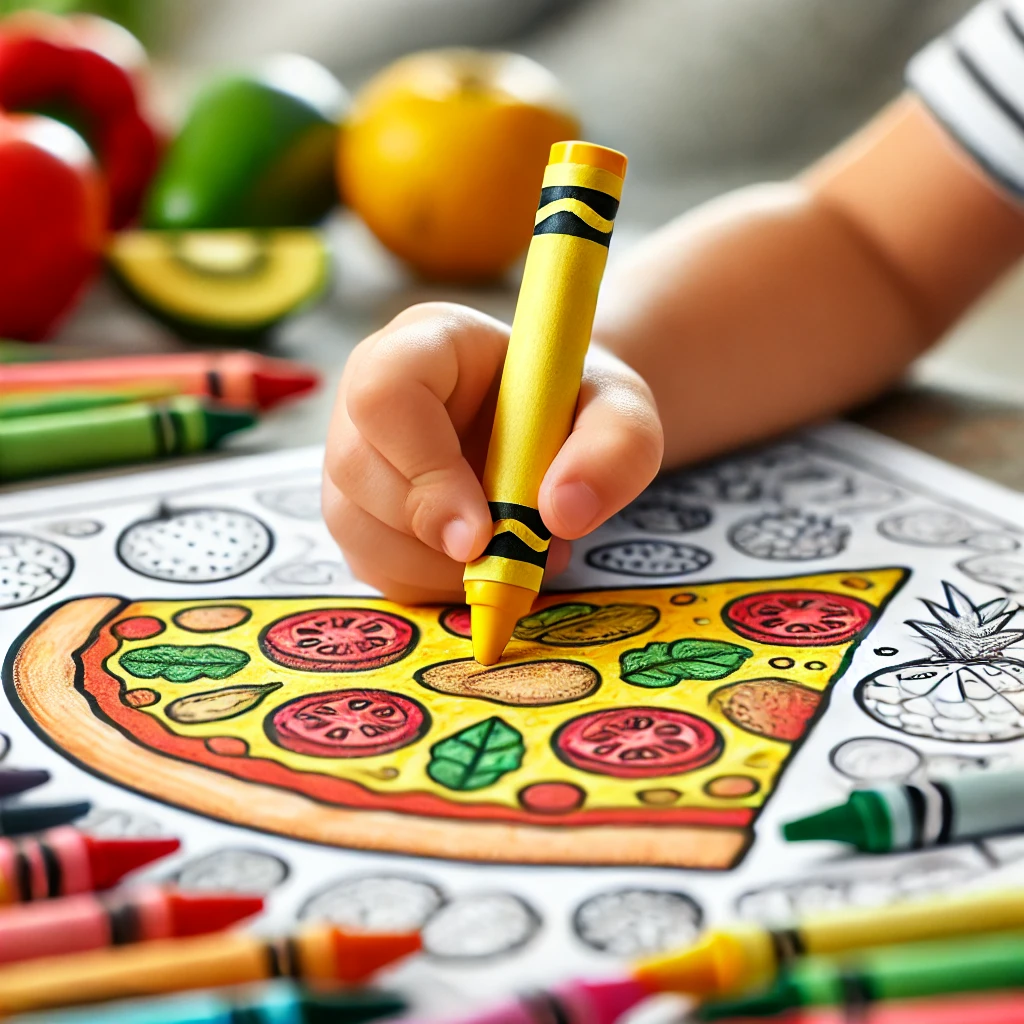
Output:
(970, 690)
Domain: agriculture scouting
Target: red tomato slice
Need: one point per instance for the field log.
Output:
(798, 618)
(637, 743)
(338, 639)
(347, 723)
(456, 620)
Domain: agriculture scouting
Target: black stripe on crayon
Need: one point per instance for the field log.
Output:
(508, 545)
(158, 419)
(564, 222)
(177, 424)
(918, 809)
(601, 203)
(213, 384)
(52, 869)
(787, 944)
(529, 517)
(544, 1007)
(23, 872)
(294, 955)
(986, 85)
(947, 812)
(275, 966)
(124, 920)
(856, 993)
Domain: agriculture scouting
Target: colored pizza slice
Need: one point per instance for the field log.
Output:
(643, 725)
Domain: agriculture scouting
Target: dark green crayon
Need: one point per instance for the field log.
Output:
(113, 435)
(894, 972)
(18, 819)
(278, 1003)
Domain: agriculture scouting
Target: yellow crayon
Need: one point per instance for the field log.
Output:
(540, 382)
(748, 957)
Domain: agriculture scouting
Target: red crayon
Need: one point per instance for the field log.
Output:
(231, 378)
(66, 862)
(78, 923)
(995, 1008)
(574, 1002)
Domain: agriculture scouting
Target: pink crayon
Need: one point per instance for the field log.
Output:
(574, 1002)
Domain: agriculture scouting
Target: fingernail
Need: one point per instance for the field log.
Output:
(457, 539)
(575, 506)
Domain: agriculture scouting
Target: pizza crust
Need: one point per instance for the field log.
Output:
(44, 676)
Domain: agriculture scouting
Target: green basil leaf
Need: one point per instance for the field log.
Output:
(181, 664)
(540, 622)
(661, 664)
(477, 756)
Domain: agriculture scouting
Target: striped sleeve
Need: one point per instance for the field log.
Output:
(972, 79)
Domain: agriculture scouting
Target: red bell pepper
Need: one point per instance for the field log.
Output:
(53, 215)
(84, 70)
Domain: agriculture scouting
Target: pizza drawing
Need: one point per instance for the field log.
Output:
(633, 726)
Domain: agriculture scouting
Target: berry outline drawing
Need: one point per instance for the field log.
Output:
(635, 921)
(969, 690)
(648, 557)
(175, 556)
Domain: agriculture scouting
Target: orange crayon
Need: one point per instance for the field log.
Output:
(231, 378)
(320, 956)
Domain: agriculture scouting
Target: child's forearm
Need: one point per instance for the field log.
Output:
(783, 304)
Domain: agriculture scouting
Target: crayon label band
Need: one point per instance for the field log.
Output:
(125, 923)
(565, 222)
(544, 1007)
(52, 871)
(856, 994)
(602, 203)
(213, 384)
(787, 944)
(929, 809)
(518, 548)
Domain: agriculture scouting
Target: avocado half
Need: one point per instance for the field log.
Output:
(208, 284)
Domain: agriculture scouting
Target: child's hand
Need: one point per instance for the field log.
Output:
(409, 436)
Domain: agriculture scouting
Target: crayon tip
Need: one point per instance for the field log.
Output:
(111, 859)
(282, 380)
(203, 912)
(17, 819)
(221, 421)
(694, 972)
(495, 611)
(15, 780)
(602, 1002)
(359, 955)
(351, 1007)
(862, 821)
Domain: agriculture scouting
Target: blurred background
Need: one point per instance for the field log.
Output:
(703, 95)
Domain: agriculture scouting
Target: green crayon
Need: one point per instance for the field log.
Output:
(112, 435)
(42, 403)
(894, 972)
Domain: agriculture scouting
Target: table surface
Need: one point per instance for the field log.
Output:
(969, 429)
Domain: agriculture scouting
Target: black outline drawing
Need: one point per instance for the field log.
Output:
(166, 514)
(664, 511)
(876, 749)
(265, 689)
(368, 905)
(303, 571)
(475, 905)
(176, 618)
(117, 823)
(647, 936)
(636, 552)
(511, 693)
(969, 690)
(11, 564)
(194, 875)
(76, 529)
(789, 535)
(300, 501)
(1002, 570)
(927, 527)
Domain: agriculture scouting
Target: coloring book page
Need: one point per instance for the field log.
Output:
(744, 644)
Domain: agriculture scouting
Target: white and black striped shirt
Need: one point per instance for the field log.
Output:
(972, 79)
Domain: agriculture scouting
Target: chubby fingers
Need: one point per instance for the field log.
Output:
(613, 453)
(395, 448)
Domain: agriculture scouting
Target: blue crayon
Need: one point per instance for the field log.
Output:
(280, 1002)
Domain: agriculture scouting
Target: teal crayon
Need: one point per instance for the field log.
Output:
(20, 819)
(922, 970)
(912, 816)
(66, 442)
(276, 1003)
